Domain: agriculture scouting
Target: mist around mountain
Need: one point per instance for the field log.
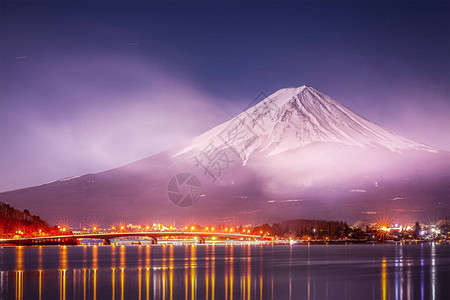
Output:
(296, 154)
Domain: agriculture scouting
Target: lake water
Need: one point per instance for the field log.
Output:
(226, 272)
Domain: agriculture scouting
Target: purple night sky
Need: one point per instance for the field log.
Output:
(89, 86)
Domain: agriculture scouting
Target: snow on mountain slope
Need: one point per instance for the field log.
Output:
(293, 118)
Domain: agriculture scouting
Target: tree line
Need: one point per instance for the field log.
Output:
(14, 222)
(307, 228)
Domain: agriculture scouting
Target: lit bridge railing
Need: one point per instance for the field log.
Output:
(154, 235)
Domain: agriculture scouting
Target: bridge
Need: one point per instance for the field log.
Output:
(72, 239)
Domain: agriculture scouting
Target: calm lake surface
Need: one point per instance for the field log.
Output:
(226, 272)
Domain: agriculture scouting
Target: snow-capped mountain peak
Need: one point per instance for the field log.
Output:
(293, 118)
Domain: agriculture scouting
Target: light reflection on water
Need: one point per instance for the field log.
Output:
(226, 272)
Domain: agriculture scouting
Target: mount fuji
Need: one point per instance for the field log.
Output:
(296, 154)
(293, 118)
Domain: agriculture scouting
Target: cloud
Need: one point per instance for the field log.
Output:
(88, 115)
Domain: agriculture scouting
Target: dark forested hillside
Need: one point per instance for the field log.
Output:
(14, 222)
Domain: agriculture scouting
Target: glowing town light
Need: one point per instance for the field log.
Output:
(113, 228)
(122, 227)
(147, 227)
(212, 229)
(231, 229)
(192, 227)
(207, 228)
(171, 227)
(95, 228)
